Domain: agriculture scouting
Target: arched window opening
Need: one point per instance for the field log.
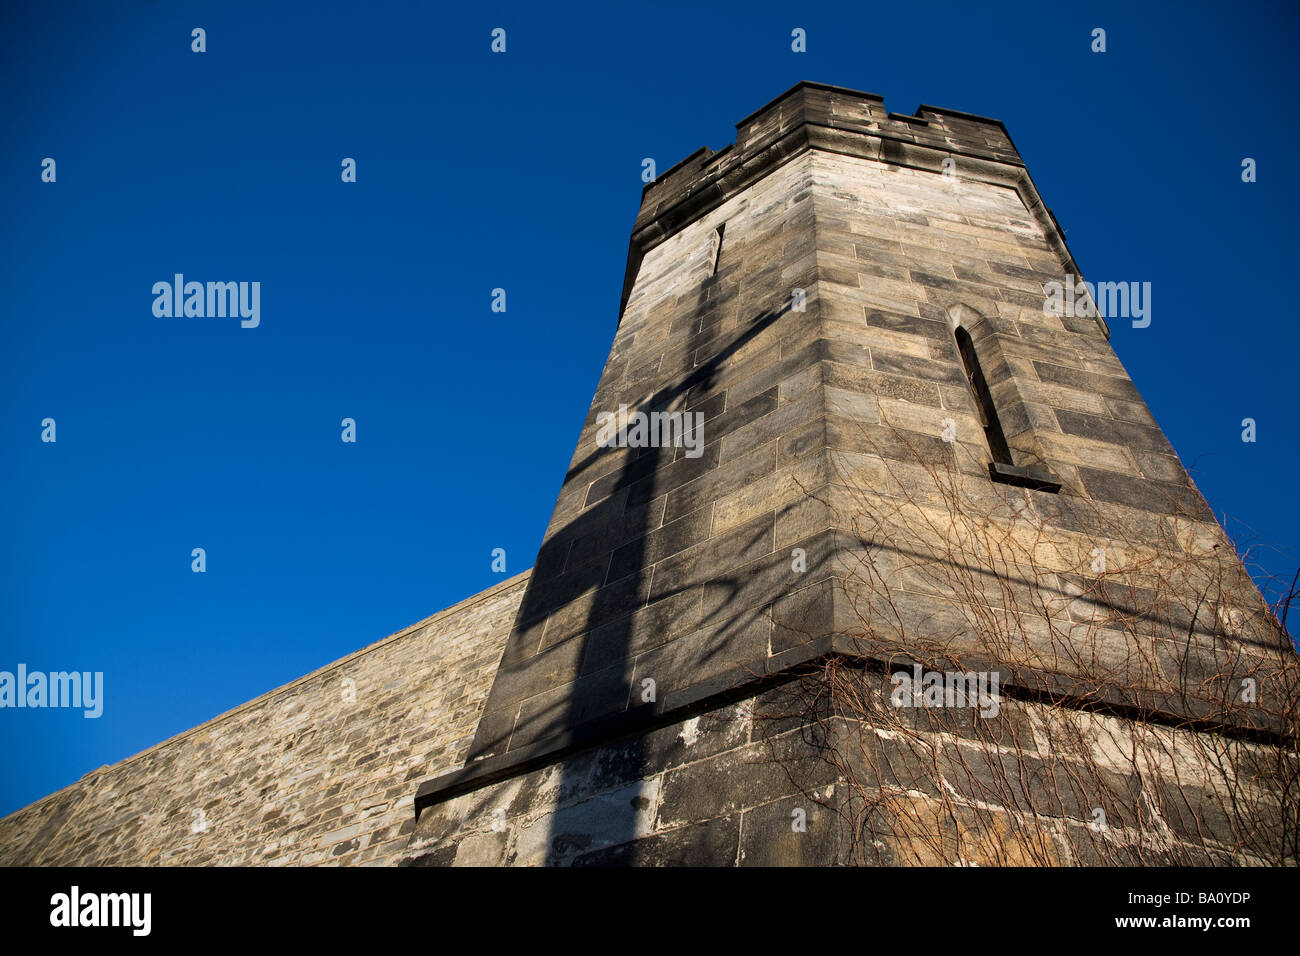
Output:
(716, 249)
(988, 413)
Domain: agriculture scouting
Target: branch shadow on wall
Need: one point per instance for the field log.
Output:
(591, 577)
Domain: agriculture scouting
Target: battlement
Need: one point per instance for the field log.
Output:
(833, 108)
(835, 120)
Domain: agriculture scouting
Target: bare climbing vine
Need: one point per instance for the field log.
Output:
(1146, 695)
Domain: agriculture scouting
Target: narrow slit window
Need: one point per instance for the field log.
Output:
(716, 250)
(988, 412)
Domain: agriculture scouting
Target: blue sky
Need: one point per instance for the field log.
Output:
(518, 171)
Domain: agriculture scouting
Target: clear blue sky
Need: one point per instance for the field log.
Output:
(519, 171)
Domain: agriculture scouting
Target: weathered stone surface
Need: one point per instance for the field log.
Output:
(321, 771)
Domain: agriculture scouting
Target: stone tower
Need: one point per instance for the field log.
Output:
(889, 561)
(869, 552)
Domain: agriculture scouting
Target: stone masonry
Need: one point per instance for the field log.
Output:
(906, 465)
(703, 646)
(320, 771)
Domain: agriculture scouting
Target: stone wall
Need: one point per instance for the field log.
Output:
(320, 771)
(758, 783)
(1121, 576)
